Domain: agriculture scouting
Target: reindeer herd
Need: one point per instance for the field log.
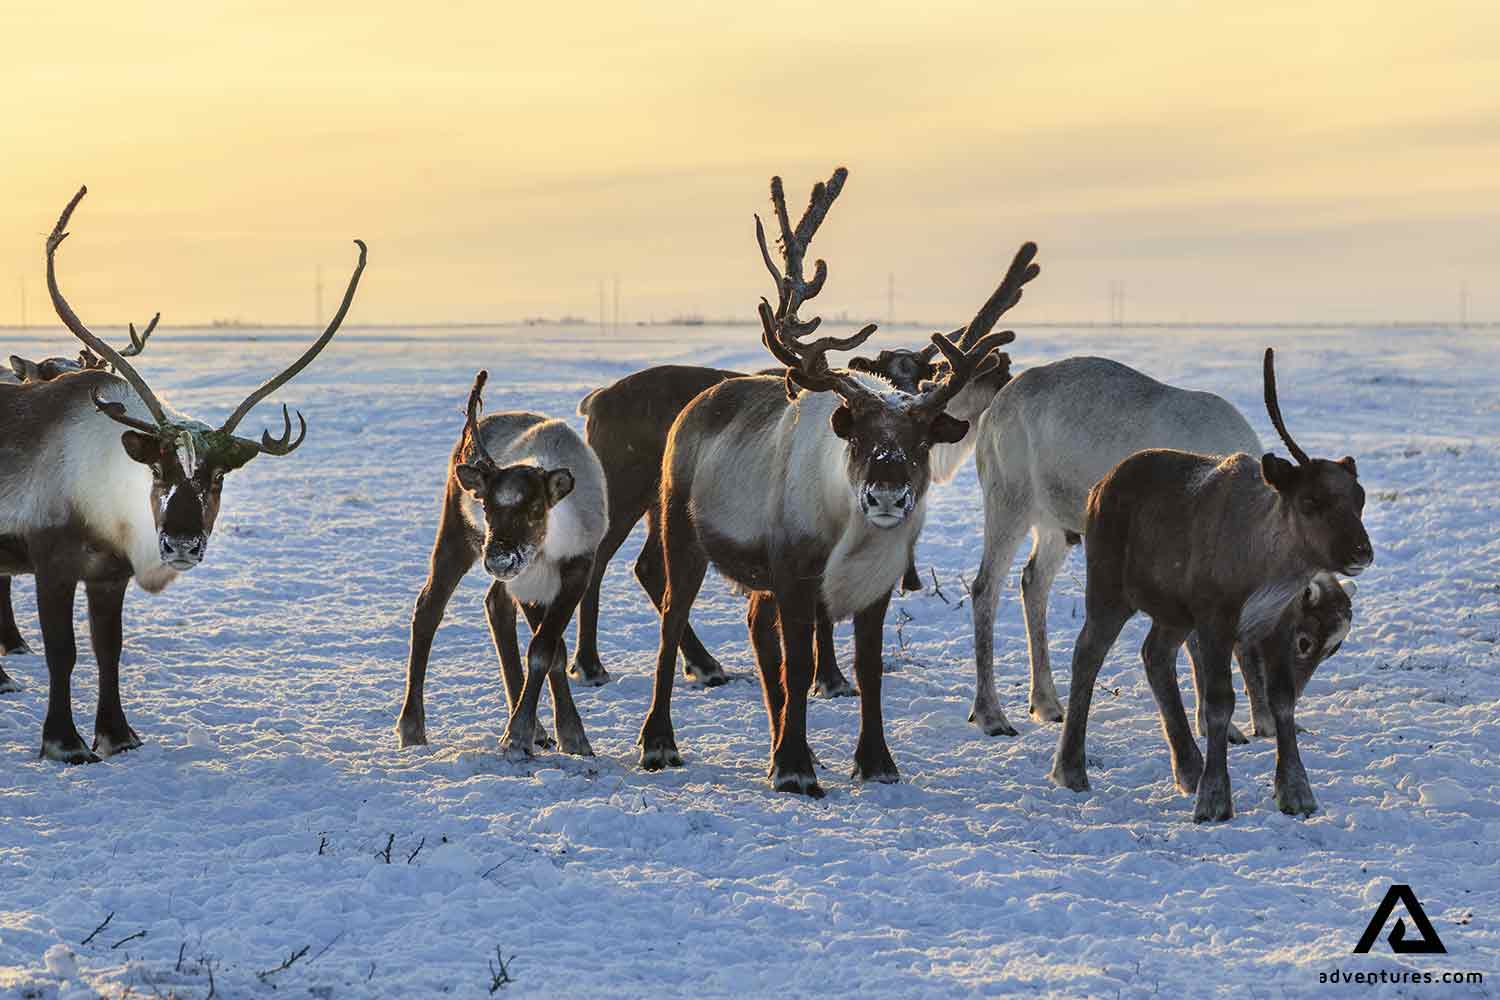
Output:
(805, 485)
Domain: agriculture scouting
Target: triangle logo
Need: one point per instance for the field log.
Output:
(1428, 944)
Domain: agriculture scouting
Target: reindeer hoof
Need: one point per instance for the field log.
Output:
(1237, 737)
(798, 783)
(1075, 779)
(991, 721)
(590, 673)
(411, 732)
(68, 751)
(656, 758)
(709, 674)
(836, 687)
(15, 647)
(1047, 711)
(7, 684)
(1214, 802)
(1188, 775)
(575, 744)
(1295, 797)
(108, 744)
(877, 766)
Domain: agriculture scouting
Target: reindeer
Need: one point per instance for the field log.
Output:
(1220, 546)
(525, 493)
(627, 427)
(806, 499)
(22, 371)
(82, 501)
(1046, 439)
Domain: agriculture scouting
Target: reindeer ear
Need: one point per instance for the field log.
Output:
(1278, 473)
(842, 422)
(948, 430)
(1348, 463)
(1312, 594)
(142, 448)
(26, 371)
(1349, 588)
(559, 485)
(470, 478)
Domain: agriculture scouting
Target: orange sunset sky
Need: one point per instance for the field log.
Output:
(1227, 161)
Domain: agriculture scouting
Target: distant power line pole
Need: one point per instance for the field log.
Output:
(890, 298)
(617, 306)
(601, 305)
(1117, 302)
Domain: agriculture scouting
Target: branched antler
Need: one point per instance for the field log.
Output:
(96, 348)
(781, 329)
(1273, 407)
(475, 405)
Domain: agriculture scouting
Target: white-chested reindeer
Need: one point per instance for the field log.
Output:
(21, 371)
(526, 496)
(83, 501)
(1221, 546)
(807, 491)
(1047, 438)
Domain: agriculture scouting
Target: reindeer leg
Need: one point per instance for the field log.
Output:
(828, 680)
(11, 643)
(1105, 616)
(1003, 531)
(1159, 654)
(106, 598)
(686, 564)
(452, 555)
(1216, 643)
(54, 601)
(587, 668)
(1195, 657)
(792, 768)
(763, 622)
(1049, 550)
(500, 610)
(872, 757)
(1294, 794)
(650, 569)
(566, 721)
(1253, 671)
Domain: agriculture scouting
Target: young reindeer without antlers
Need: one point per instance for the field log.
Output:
(1221, 546)
(807, 491)
(527, 495)
(23, 371)
(80, 500)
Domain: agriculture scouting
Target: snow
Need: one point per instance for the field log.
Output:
(255, 820)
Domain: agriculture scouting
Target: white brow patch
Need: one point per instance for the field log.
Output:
(507, 496)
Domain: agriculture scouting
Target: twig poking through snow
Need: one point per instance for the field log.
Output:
(937, 588)
(324, 950)
(180, 952)
(501, 977)
(386, 854)
(99, 928)
(413, 855)
(126, 940)
(322, 843)
(290, 961)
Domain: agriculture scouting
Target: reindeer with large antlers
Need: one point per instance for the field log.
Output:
(23, 371)
(808, 491)
(1223, 547)
(83, 501)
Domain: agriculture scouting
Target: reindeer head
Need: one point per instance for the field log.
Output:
(188, 459)
(888, 432)
(1324, 613)
(517, 499)
(1322, 499)
(50, 368)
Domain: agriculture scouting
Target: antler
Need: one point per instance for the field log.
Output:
(138, 343)
(1273, 407)
(1021, 270)
(781, 330)
(272, 445)
(72, 322)
(472, 420)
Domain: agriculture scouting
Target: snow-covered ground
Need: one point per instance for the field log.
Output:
(267, 681)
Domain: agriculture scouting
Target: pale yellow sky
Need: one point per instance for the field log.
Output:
(1315, 161)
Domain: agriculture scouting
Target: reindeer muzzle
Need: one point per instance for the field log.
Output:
(182, 552)
(886, 505)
